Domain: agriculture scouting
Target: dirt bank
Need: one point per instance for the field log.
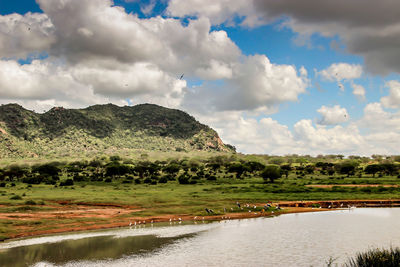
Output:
(112, 216)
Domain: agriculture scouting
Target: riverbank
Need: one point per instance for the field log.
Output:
(92, 216)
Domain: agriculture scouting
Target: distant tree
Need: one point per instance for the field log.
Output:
(271, 173)
(286, 168)
(172, 168)
(116, 169)
(238, 168)
(67, 182)
(347, 167)
(276, 160)
(389, 168)
(373, 169)
(255, 166)
(309, 169)
(16, 171)
(46, 169)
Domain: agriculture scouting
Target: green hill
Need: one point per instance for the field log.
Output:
(101, 128)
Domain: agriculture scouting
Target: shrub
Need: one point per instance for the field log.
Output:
(211, 178)
(30, 202)
(108, 180)
(163, 180)
(16, 197)
(3, 184)
(376, 257)
(67, 182)
(183, 179)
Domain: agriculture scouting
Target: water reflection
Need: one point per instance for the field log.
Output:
(91, 248)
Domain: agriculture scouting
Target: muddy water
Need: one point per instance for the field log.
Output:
(307, 239)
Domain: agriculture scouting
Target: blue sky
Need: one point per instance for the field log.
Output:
(270, 77)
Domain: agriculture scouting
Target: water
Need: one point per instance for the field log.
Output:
(306, 239)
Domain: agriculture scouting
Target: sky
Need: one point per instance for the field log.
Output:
(271, 77)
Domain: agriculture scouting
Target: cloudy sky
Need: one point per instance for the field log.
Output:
(274, 77)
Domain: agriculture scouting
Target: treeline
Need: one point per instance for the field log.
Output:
(187, 171)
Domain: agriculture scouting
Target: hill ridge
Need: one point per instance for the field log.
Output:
(97, 128)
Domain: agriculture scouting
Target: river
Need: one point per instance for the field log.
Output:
(303, 239)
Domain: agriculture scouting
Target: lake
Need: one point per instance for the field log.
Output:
(303, 239)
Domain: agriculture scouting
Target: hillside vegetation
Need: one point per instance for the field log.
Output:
(101, 129)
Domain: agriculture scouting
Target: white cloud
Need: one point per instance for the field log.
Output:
(358, 91)
(393, 99)
(110, 53)
(376, 119)
(256, 84)
(341, 71)
(333, 115)
(21, 36)
(267, 136)
(323, 140)
(222, 11)
(368, 33)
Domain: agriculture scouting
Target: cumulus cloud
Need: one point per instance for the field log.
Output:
(21, 36)
(378, 121)
(44, 82)
(358, 91)
(393, 99)
(222, 11)
(256, 84)
(341, 71)
(368, 33)
(102, 31)
(332, 115)
(268, 136)
(113, 54)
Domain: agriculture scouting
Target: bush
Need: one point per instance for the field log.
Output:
(30, 202)
(16, 197)
(163, 180)
(183, 179)
(376, 257)
(211, 178)
(2, 184)
(67, 182)
(108, 180)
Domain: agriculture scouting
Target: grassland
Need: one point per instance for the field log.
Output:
(23, 206)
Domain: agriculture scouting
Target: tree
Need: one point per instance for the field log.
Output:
(286, 169)
(373, 169)
(347, 167)
(46, 169)
(271, 173)
(255, 166)
(239, 168)
(172, 168)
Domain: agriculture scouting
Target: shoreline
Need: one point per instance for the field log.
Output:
(288, 207)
